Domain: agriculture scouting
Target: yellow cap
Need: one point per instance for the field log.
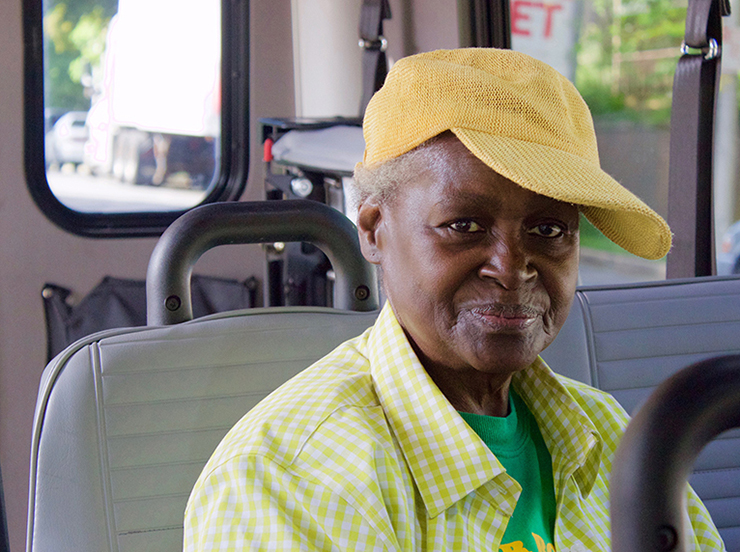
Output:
(521, 118)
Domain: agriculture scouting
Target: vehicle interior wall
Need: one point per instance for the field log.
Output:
(34, 251)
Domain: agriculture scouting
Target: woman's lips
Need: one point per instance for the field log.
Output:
(504, 316)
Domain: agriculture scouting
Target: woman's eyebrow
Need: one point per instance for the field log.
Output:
(463, 197)
(466, 199)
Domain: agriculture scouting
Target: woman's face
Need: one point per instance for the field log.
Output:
(480, 272)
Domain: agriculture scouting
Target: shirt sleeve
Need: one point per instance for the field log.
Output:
(706, 536)
(249, 503)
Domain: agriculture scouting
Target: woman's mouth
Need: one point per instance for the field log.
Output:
(504, 316)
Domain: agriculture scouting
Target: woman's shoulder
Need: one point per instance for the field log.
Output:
(604, 411)
(590, 396)
(281, 423)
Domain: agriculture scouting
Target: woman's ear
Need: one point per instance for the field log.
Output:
(369, 222)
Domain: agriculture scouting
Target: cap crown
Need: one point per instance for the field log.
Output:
(499, 92)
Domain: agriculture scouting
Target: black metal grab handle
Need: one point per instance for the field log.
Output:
(659, 448)
(171, 264)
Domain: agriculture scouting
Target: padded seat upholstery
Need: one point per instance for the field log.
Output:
(126, 419)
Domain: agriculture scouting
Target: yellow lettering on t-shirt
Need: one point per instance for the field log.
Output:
(517, 546)
(541, 546)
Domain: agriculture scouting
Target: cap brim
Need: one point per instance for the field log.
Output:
(619, 214)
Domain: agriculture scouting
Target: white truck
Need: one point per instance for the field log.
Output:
(155, 117)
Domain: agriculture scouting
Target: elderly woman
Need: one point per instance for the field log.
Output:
(440, 428)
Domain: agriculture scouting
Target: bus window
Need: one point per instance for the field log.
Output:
(622, 55)
(726, 169)
(132, 123)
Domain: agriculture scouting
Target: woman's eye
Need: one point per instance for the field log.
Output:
(547, 230)
(466, 226)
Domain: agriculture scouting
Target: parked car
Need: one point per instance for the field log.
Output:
(67, 138)
(51, 116)
(728, 256)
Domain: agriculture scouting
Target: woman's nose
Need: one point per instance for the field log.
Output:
(507, 262)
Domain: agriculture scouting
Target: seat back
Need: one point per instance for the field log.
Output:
(126, 419)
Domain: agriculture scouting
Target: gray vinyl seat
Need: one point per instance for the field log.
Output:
(126, 419)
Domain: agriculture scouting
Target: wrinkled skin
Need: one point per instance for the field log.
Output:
(480, 272)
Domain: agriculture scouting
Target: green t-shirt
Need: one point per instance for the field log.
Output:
(517, 443)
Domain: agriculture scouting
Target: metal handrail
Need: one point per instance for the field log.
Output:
(171, 264)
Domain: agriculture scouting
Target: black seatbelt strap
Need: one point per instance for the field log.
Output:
(690, 209)
(373, 43)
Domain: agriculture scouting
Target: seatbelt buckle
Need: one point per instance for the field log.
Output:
(711, 51)
(379, 44)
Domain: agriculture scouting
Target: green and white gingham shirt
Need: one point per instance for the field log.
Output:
(361, 451)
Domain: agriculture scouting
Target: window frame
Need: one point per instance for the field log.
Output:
(484, 23)
(234, 143)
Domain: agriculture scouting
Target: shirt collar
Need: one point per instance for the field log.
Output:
(571, 437)
(446, 458)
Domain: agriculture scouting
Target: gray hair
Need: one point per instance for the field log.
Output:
(383, 180)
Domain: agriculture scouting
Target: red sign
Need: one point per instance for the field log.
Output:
(533, 18)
